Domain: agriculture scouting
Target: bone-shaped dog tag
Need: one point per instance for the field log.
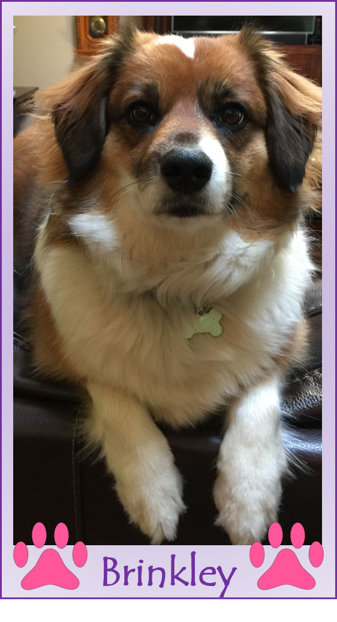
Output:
(205, 323)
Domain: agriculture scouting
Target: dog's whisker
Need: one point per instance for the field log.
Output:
(130, 186)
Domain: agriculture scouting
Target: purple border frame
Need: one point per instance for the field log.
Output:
(311, 2)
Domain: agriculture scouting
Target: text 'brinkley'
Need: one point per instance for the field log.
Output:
(174, 574)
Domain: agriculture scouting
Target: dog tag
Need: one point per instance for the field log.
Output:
(205, 323)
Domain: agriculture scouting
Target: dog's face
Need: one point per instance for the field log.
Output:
(194, 130)
(189, 118)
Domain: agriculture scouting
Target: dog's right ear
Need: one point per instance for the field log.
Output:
(81, 124)
(79, 108)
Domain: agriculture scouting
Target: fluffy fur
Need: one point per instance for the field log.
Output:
(122, 259)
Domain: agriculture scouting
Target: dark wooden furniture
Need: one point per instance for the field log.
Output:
(305, 59)
(157, 23)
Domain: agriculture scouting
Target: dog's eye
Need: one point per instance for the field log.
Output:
(141, 114)
(232, 116)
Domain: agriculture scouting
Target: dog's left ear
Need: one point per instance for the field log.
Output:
(294, 116)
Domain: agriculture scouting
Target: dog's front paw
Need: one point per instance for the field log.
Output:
(153, 500)
(251, 463)
(246, 509)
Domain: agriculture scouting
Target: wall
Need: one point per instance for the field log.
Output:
(44, 49)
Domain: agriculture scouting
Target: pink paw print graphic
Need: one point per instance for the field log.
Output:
(50, 569)
(286, 568)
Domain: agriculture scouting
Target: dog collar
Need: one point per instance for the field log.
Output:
(205, 322)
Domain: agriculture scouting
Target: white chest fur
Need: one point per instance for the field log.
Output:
(136, 340)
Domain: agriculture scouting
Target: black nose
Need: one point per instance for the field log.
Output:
(186, 170)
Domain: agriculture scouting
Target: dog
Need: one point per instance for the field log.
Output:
(160, 194)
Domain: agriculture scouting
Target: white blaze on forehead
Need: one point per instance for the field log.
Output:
(185, 45)
(213, 149)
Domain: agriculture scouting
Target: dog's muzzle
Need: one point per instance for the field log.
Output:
(186, 170)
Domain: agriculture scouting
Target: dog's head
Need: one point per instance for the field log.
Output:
(194, 130)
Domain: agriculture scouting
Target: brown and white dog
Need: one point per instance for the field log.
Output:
(167, 179)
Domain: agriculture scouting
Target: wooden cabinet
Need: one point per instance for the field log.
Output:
(92, 30)
(160, 23)
(305, 59)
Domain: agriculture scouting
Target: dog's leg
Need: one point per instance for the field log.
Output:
(138, 455)
(251, 462)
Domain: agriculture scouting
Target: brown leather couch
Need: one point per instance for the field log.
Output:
(56, 481)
